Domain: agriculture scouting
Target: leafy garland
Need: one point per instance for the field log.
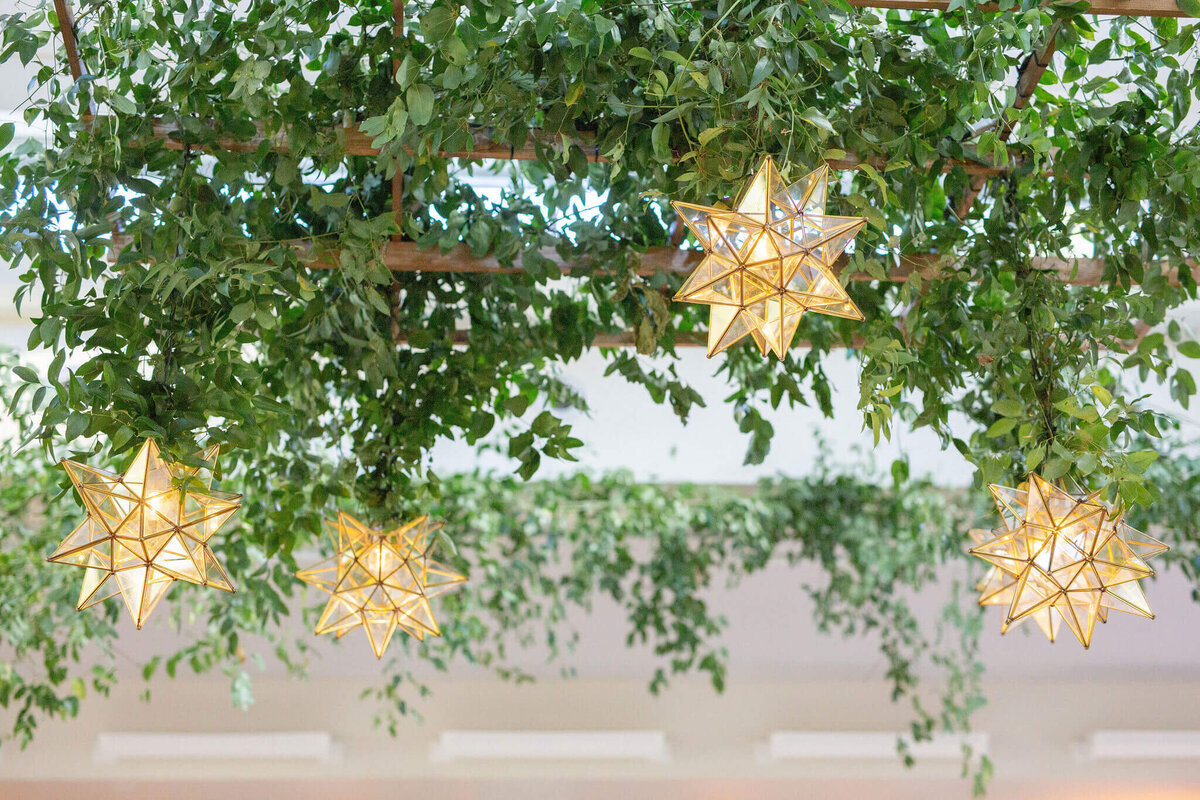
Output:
(211, 326)
(534, 552)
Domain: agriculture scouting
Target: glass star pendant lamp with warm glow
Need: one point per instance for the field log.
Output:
(142, 532)
(1062, 559)
(768, 261)
(380, 580)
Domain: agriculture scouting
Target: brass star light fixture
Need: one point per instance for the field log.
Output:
(380, 580)
(1062, 558)
(768, 260)
(142, 533)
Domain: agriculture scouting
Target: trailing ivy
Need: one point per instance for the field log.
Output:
(533, 553)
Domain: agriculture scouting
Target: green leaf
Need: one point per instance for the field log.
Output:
(122, 104)
(1008, 407)
(1034, 457)
(408, 71)
(1141, 459)
(1190, 348)
(1055, 468)
(438, 23)
(420, 338)
(454, 50)
(814, 117)
(544, 424)
(900, 471)
(529, 464)
(419, 99)
(660, 137)
(77, 423)
(121, 438)
(1101, 52)
(708, 134)
(517, 405)
(481, 425)
(445, 541)
(241, 312)
(1001, 427)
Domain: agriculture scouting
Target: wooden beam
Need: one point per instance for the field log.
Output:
(1028, 77)
(354, 142)
(462, 338)
(66, 27)
(403, 256)
(1121, 8)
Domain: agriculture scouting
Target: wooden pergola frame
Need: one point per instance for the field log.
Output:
(353, 142)
(404, 256)
(1116, 8)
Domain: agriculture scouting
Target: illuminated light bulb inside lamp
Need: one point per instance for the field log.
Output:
(380, 581)
(768, 261)
(165, 505)
(1062, 559)
(136, 540)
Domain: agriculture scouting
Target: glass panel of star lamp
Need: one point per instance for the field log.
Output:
(380, 580)
(1060, 558)
(143, 532)
(768, 261)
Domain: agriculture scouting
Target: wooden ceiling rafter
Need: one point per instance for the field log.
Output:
(66, 29)
(1028, 76)
(462, 337)
(403, 256)
(1115, 8)
(353, 142)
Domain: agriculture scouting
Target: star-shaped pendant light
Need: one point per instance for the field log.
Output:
(768, 261)
(142, 533)
(1061, 558)
(380, 580)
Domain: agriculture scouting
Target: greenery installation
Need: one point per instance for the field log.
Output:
(327, 377)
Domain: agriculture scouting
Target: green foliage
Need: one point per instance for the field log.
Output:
(211, 326)
(41, 676)
(534, 552)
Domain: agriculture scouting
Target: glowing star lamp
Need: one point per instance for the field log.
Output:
(142, 533)
(1061, 558)
(768, 261)
(380, 580)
